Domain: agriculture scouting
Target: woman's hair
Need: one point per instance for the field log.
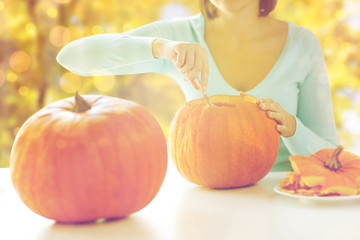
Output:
(209, 10)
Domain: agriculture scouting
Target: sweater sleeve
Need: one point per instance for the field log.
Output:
(115, 53)
(315, 124)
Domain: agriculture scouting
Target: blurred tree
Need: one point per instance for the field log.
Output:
(35, 31)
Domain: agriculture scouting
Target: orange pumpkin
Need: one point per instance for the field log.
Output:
(232, 144)
(101, 157)
(331, 171)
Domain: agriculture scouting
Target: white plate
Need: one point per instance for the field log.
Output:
(317, 198)
(1, 190)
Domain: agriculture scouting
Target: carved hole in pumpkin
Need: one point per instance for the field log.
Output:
(224, 104)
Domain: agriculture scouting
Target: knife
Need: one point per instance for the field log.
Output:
(196, 84)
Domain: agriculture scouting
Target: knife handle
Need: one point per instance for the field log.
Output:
(195, 84)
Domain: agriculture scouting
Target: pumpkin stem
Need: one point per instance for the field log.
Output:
(81, 105)
(333, 162)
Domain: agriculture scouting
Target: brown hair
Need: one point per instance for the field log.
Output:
(209, 10)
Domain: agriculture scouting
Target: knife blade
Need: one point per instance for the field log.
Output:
(196, 83)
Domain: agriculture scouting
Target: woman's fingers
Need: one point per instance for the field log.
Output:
(193, 82)
(282, 129)
(204, 75)
(276, 116)
(189, 63)
(267, 100)
(273, 109)
(286, 123)
(191, 59)
(286, 130)
(180, 60)
(200, 66)
(195, 71)
(269, 106)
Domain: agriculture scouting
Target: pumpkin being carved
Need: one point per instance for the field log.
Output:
(101, 157)
(328, 172)
(232, 144)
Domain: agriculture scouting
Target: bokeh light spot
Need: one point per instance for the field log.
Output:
(97, 29)
(23, 91)
(19, 61)
(104, 83)
(30, 28)
(59, 36)
(62, 1)
(2, 5)
(70, 82)
(340, 14)
(97, 4)
(11, 77)
(52, 12)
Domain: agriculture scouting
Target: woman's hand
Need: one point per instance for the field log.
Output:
(286, 123)
(189, 58)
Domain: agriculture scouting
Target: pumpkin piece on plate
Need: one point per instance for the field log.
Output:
(328, 172)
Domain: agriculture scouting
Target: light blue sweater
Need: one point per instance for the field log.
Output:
(298, 80)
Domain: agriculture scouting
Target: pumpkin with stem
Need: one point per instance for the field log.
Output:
(86, 158)
(327, 172)
(231, 144)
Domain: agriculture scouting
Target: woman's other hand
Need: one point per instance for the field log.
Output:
(189, 58)
(286, 123)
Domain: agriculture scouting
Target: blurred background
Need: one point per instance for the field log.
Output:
(33, 31)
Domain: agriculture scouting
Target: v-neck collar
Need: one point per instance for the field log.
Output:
(200, 26)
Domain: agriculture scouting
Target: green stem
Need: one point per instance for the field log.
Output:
(333, 162)
(81, 105)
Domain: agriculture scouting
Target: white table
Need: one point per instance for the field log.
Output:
(184, 211)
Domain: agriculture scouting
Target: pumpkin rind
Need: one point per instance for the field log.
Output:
(313, 172)
(106, 162)
(233, 144)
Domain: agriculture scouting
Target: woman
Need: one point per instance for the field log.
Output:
(232, 46)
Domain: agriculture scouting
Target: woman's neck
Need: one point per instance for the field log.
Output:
(236, 27)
